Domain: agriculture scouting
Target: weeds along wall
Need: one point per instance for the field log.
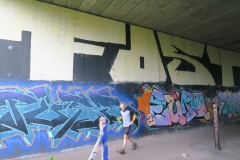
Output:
(61, 70)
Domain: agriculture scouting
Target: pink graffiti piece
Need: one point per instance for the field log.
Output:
(173, 107)
(171, 102)
(182, 120)
(174, 94)
(175, 117)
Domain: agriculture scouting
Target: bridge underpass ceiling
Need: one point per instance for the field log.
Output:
(214, 22)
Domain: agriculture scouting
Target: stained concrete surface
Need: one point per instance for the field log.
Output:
(193, 144)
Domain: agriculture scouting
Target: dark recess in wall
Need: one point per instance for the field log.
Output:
(15, 58)
(142, 62)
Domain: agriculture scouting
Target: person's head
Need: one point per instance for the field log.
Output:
(122, 106)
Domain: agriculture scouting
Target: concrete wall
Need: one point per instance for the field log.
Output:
(60, 70)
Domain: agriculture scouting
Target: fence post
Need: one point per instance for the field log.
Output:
(216, 127)
(102, 141)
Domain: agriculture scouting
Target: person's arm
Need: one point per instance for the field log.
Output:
(133, 118)
(119, 119)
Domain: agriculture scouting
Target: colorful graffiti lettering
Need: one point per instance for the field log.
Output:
(165, 108)
(73, 113)
(228, 103)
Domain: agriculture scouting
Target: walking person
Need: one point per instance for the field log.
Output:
(128, 119)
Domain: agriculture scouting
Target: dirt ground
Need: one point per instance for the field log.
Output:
(196, 144)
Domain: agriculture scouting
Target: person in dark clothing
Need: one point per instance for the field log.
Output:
(128, 119)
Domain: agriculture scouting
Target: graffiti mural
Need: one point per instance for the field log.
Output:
(175, 106)
(75, 112)
(178, 106)
(70, 69)
(228, 103)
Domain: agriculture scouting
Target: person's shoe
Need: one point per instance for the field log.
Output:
(121, 151)
(134, 145)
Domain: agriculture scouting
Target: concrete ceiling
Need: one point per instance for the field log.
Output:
(214, 22)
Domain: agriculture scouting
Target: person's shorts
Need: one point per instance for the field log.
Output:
(127, 130)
